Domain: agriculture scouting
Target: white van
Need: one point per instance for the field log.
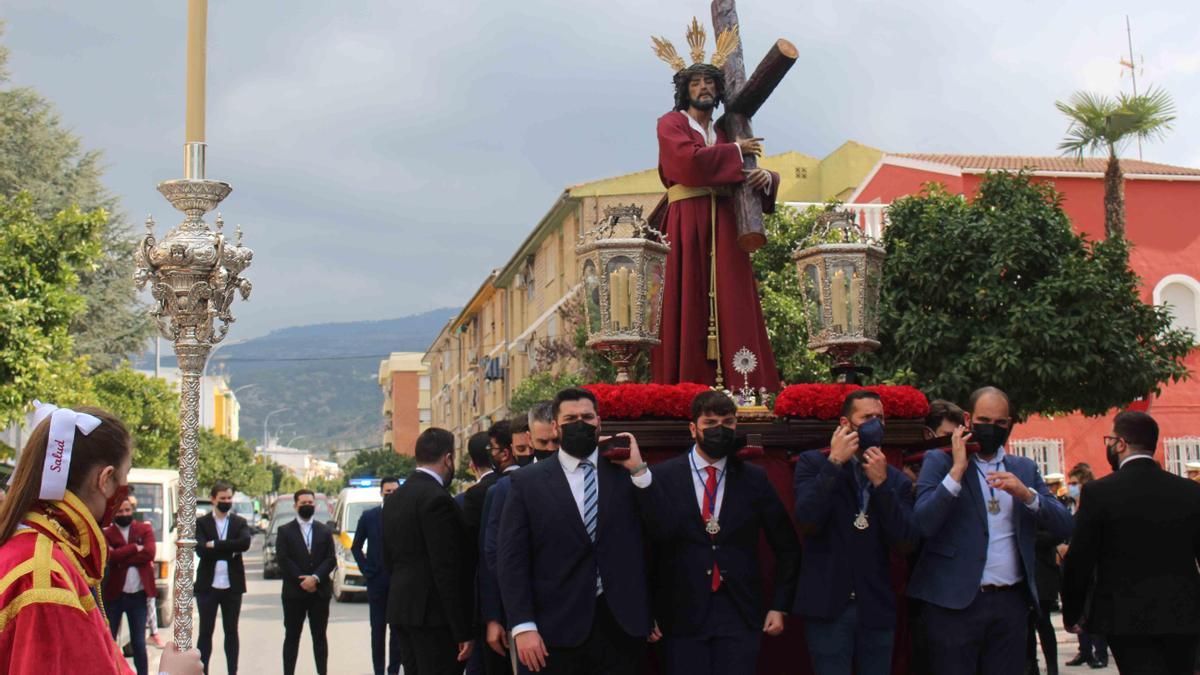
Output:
(348, 581)
(157, 493)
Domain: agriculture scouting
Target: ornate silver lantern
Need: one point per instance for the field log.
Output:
(622, 266)
(841, 276)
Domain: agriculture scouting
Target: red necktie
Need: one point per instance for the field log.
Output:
(709, 503)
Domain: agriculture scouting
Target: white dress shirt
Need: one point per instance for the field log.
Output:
(1137, 456)
(133, 578)
(1003, 564)
(700, 479)
(433, 473)
(221, 569)
(575, 476)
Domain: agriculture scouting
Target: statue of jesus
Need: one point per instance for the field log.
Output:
(711, 309)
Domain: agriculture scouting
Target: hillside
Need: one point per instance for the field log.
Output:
(324, 374)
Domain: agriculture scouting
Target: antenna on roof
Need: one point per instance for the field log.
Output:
(1132, 67)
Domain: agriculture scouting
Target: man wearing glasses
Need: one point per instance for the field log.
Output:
(979, 515)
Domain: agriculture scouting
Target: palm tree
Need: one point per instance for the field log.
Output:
(1100, 123)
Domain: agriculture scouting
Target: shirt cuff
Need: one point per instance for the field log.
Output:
(952, 486)
(524, 628)
(643, 480)
(1035, 504)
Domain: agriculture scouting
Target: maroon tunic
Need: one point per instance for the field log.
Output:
(682, 356)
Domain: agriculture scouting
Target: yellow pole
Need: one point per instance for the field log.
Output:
(196, 48)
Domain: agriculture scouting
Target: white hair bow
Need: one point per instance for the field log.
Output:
(63, 423)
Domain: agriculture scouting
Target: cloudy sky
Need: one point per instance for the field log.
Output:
(385, 155)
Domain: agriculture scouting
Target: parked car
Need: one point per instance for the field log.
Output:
(283, 513)
(348, 580)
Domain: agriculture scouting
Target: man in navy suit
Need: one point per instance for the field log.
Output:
(706, 511)
(543, 442)
(853, 510)
(570, 562)
(979, 516)
(369, 533)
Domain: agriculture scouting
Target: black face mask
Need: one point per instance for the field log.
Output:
(123, 521)
(524, 460)
(1113, 455)
(224, 507)
(578, 438)
(305, 512)
(543, 454)
(989, 437)
(719, 442)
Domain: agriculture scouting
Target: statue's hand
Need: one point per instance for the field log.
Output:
(759, 179)
(750, 146)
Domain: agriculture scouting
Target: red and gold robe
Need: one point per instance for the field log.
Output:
(50, 620)
(684, 157)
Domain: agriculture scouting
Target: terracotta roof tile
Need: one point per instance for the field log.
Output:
(1066, 164)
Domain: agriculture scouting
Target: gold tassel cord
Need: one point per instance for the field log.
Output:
(714, 325)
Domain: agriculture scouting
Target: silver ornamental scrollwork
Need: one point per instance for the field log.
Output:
(194, 274)
(624, 239)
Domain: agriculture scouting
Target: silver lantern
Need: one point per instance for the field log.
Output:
(623, 269)
(841, 276)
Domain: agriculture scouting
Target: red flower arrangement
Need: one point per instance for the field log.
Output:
(811, 401)
(824, 401)
(636, 401)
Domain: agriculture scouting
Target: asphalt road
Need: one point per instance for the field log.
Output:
(261, 631)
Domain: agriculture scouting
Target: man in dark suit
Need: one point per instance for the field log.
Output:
(853, 510)
(1130, 573)
(426, 549)
(222, 536)
(706, 511)
(491, 453)
(369, 534)
(979, 516)
(543, 442)
(570, 562)
(305, 551)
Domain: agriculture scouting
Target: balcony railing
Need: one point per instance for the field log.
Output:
(871, 217)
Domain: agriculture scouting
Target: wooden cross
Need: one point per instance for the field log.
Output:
(743, 98)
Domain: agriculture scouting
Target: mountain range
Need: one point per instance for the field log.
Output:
(324, 377)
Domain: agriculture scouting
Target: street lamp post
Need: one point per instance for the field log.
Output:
(265, 420)
(193, 273)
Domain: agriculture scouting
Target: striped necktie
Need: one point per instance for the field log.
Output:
(591, 506)
(590, 502)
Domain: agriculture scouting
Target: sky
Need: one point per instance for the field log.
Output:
(386, 155)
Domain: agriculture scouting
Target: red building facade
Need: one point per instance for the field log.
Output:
(1162, 222)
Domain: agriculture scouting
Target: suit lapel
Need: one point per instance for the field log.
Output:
(731, 501)
(971, 478)
(560, 492)
(686, 487)
(611, 473)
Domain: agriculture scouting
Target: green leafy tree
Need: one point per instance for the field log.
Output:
(1102, 124)
(41, 156)
(231, 460)
(1000, 290)
(785, 308)
(540, 387)
(148, 406)
(40, 260)
(378, 463)
(327, 486)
